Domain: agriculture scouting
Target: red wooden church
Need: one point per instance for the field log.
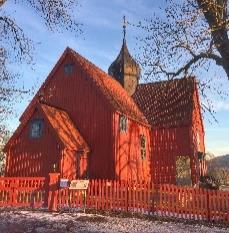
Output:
(85, 123)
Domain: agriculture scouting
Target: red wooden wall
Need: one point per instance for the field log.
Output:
(89, 110)
(73, 164)
(112, 155)
(128, 162)
(167, 143)
(78, 95)
(198, 133)
(33, 157)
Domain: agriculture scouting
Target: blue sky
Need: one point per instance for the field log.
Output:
(100, 43)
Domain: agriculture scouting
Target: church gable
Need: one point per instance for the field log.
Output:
(61, 82)
(33, 148)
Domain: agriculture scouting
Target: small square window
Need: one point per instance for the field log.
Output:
(36, 128)
(68, 68)
(143, 146)
(123, 124)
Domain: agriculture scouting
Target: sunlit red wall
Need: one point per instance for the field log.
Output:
(167, 143)
(28, 156)
(198, 134)
(89, 111)
(128, 162)
(73, 164)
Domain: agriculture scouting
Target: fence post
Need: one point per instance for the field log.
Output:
(13, 192)
(208, 206)
(126, 195)
(53, 191)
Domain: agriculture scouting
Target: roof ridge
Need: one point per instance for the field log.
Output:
(171, 80)
(86, 60)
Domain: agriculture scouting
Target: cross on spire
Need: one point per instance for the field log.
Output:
(124, 27)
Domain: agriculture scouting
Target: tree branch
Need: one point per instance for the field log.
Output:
(186, 67)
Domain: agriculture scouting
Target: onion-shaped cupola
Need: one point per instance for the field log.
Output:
(125, 69)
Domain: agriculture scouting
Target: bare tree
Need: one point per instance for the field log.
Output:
(3, 140)
(216, 16)
(187, 39)
(17, 48)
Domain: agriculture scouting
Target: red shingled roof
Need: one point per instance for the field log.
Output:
(111, 89)
(60, 123)
(167, 103)
(64, 127)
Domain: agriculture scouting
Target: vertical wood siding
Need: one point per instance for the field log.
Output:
(89, 111)
(78, 95)
(73, 164)
(33, 157)
(128, 162)
(166, 145)
(197, 135)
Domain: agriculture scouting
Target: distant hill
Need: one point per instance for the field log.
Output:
(219, 162)
(218, 167)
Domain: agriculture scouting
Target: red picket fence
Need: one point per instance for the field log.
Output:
(23, 191)
(141, 197)
(146, 198)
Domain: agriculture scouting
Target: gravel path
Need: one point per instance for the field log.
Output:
(16, 221)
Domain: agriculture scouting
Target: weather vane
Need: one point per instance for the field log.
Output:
(124, 26)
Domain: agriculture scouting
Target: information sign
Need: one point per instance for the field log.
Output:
(79, 184)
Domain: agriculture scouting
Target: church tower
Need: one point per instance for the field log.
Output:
(125, 69)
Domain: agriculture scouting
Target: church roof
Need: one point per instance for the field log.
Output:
(65, 128)
(124, 59)
(167, 103)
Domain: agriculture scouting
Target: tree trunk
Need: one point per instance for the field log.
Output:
(215, 13)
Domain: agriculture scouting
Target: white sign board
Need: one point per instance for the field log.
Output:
(64, 183)
(79, 184)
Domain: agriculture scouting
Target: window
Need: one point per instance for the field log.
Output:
(143, 146)
(36, 128)
(68, 68)
(123, 124)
